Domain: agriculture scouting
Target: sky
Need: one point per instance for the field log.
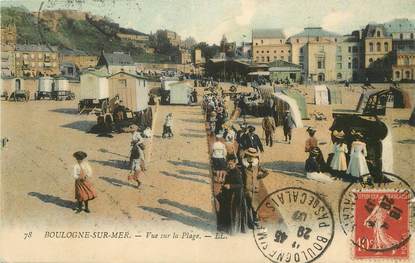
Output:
(208, 20)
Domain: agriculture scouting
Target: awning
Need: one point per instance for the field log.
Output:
(259, 73)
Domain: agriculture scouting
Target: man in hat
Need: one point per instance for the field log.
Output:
(268, 125)
(251, 140)
(288, 125)
(250, 167)
(311, 142)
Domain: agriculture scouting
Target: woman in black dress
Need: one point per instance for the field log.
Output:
(234, 215)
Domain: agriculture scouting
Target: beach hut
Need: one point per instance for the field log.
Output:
(180, 93)
(45, 85)
(321, 95)
(300, 100)
(18, 90)
(61, 91)
(335, 95)
(398, 98)
(94, 92)
(282, 103)
(131, 89)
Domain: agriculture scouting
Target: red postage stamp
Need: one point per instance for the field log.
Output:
(382, 225)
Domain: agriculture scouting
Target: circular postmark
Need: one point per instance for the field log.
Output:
(296, 225)
(377, 219)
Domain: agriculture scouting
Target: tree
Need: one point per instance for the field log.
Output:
(207, 51)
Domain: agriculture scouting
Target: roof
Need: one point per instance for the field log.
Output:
(119, 59)
(283, 66)
(97, 73)
(315, 32)
(268, 33)
(35, 48)
(126, 73)
(73, 52)
(370, 30)
(400, 25)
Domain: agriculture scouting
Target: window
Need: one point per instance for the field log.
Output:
(386, 46)
(401, 36)
(371, 47)
(275, 51)
(349, 65)
(282, 57)
(335, 40)
(257, 58)
(268, 59)
(339, 65)
(262, 58)
(370, 60)
(350, 49)
(70, 70)
(256, 43)
(262, 51)
(267, 51)
(281, 41)
(339, 76)
(262, 41)
(282, 51)
(339, 58)
(122, 83)
(397, 74)
(412, 35)
(275, 57)
(407, 74)
(378, 33)
(297, 40)
(318, 39)
(339, 49)
(320, 63)
(378, 47)
(301, 50)
(257, 51)
(354, 49)
(406, 61)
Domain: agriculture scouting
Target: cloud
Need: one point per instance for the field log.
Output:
(247, 12)
(336, 20)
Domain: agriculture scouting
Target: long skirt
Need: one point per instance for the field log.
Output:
(84, 191)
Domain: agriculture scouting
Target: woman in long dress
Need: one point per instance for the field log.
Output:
(234, 214)
(84, 191)
(339, 162)
(358, 166)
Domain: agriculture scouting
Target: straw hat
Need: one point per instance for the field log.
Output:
(338, 134)
(251, 152)
(80, 155)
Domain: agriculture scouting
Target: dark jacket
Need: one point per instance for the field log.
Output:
(288, 122)
(248, 141)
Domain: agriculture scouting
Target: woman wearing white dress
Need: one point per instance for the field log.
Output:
(358, 166)
(338, 163)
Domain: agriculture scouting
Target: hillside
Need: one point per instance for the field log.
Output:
(69, 31)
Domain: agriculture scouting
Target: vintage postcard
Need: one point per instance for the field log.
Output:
(207, 131)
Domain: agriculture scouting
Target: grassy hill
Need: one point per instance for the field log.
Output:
(72, 34)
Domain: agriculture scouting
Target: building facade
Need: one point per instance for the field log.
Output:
(81, 59)
(269, 45)
(404, 68)
(173, 38)
(36, 60)
(112, 63)
(349, 64)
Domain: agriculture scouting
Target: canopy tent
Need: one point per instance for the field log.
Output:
(321, 95)
(293, 107)
(180, 93)
(373, 102)
(300, 101)
(335, 95)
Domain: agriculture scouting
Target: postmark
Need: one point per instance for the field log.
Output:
(377, 220)
(296, 225)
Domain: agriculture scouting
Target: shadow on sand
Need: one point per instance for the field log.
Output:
(116, 182)
(113, 163)
(84, 126)
(189, 163)
(54, 200)
(286, 167)
(189, 209)
(192, 120)
(399, 123)
(407, 141)
(192, 135)
(186, 220)
(185, 172)
(71, 111)
(183, 177)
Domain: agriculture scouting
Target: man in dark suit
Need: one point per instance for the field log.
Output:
(251, 140)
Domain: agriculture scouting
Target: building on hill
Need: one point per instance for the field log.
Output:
(173, 38)
(115, 62)
(138, 39)
(184, 57)
(269, 45)
(80, 58)
(8, 37)
(36, 60)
